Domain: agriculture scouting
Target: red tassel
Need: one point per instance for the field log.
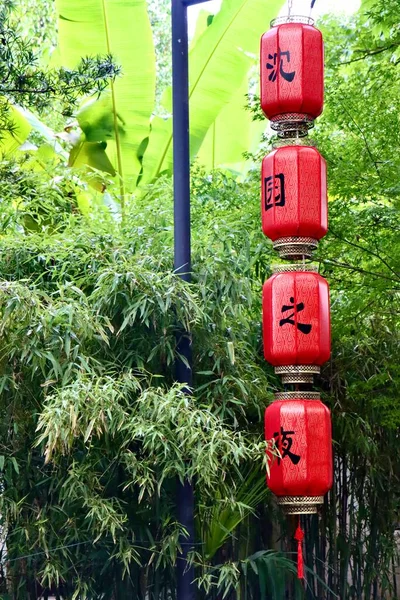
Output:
(299, 536)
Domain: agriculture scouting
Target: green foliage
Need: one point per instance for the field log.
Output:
(25, 82)
(219, 62)
(113, 134)
(160, 21)
(224, 145)
(221, 519)
(94, 433)
(361, 259)
(100, 433)
(16, 130)
(220, 59)
(105, 28)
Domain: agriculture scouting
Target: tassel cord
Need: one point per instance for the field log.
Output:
(299, 537)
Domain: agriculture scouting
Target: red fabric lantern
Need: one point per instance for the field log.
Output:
(294, 194)
(300, 424)
(296, 320)
(292, 70)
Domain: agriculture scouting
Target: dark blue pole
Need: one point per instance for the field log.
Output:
(182, 262)
(180, 108)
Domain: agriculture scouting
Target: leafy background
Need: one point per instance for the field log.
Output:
(94, 433)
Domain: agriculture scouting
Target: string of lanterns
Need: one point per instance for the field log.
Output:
(296, 315)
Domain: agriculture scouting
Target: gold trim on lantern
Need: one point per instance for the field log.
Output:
(292, 125)
(300, 505)
(292, 19)
(295, 267)
(304, 143)
(297, 396)
(295, 247)
(298, 373)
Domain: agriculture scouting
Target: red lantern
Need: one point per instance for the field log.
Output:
(296, 320)
(294, 199)
(292, 71)
(301, 427)
(296, 323)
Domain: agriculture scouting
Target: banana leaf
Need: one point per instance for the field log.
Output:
(22, 122)
(12, 138)
(219, 62)
(224, 145)
(120, 28)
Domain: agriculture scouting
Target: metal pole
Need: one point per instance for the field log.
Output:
(182, 262)
(180, 108)
(182, 259)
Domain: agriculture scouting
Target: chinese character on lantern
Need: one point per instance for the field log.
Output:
(279, 58)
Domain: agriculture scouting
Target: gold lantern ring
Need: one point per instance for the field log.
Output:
(279, 396)
(298, 373)
(300, 505)
(292, 19)
(294, 248)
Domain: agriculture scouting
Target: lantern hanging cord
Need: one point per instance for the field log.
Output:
(289, 5)
(312, 6)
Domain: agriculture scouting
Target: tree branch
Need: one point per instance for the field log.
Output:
(370, 53)
(374, 162)
(367, 250)
(358, 270)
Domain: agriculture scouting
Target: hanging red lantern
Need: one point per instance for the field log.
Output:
(300, 424)
(294, 199)
(296, 322)
(292, 73)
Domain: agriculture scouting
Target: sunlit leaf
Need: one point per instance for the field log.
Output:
(120, 28)
(218, 63)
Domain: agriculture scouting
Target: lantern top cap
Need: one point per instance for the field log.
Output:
(292, 19)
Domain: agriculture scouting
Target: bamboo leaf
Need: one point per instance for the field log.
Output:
(89, 430)
(231, 352)
(15, 464)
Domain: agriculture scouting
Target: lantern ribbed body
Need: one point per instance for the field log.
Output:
(296, 319)
(303, 434)
(294, 193)
(292, 70)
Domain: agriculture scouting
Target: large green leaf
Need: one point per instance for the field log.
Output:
(121, 28)
(22, 122)
(219, 62)
(204, 19)
(224, 145)
(11, 139)
(92, 157)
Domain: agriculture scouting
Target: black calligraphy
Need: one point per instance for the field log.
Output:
(292, 318)
(274, 191)
(277, 65)
(284, 442)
